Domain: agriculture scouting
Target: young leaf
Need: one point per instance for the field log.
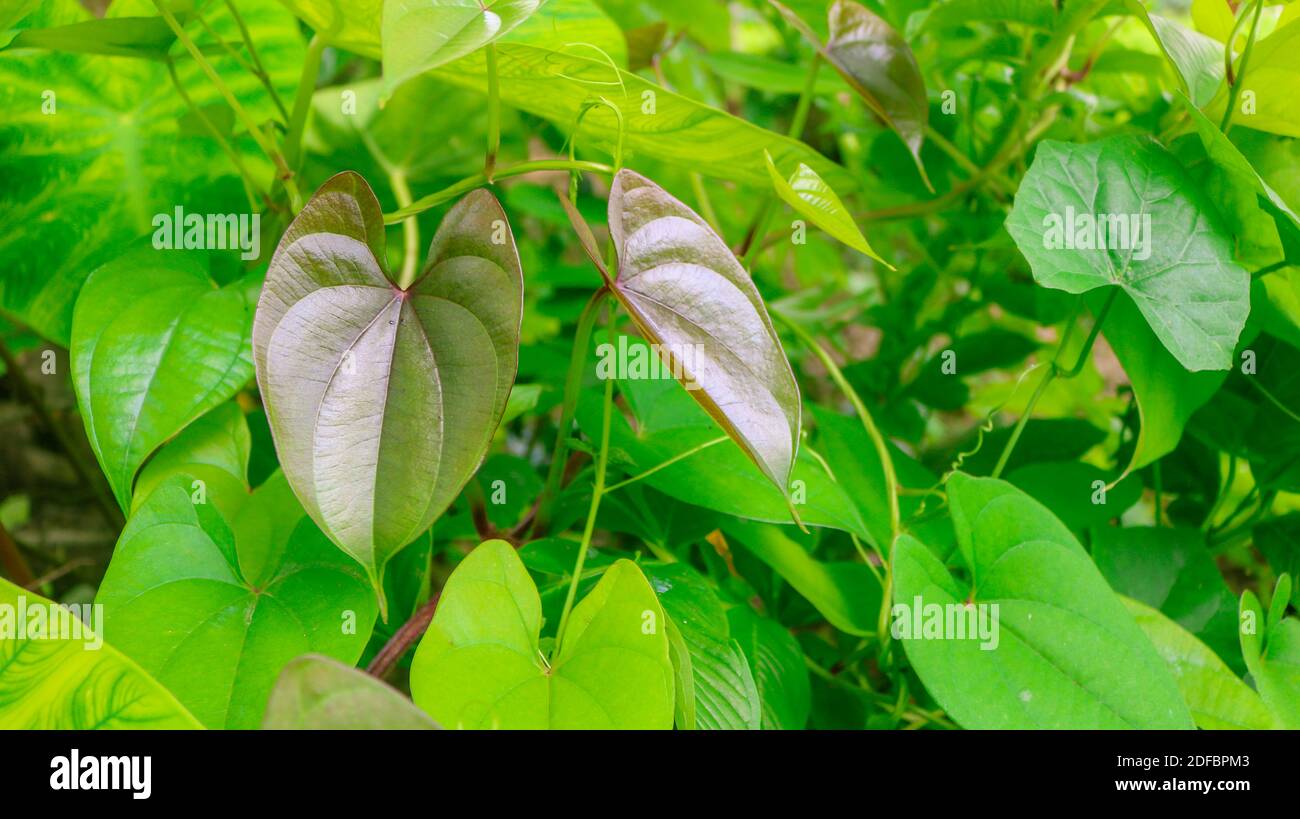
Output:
(879, 66)
(382, 398)
(813, 199)
(155, 344)
(421, 35)
(1272, 652)
(71, 680)
(688, 293)
(318, 693)
(480, 666)
(1122, 212)
(1195, 58)
(215, 608)
(1066, 655)
(1217, 698)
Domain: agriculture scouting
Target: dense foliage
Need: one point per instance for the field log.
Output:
(893, 364)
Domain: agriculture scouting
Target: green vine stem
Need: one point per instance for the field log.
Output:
(493, 113)
(478, 180)
(302, 102)
(1054, 371)
(267, 147)
(864, 415)
(252, 190)
(597, 491)
(572, 387)
(1235, 79)
(410, 229)
(258, 68)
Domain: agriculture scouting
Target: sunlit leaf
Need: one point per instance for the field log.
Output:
(813, 199)
(421, 35)
(71, 680)
(479, 664)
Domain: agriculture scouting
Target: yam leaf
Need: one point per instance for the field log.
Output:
(214, 608)
(1064, 652)
(383, 399)
(155, 344)
(1122, 212)
(687, 293)
(480, 665)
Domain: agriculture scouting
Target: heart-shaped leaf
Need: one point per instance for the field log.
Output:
(479, 664)
(420, 35)
(813, 199)
(1122, 212)
(155, 344)
(383, 399)
(215, 608)
(1058, 651)
(878, 65)
(317, 693)
(688, 294)
(69, 679)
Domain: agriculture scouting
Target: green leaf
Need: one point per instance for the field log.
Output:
(547, 69)
(1272, 652)
(147, 38)
(779, 669)
(87, 178)
(847, 594)
(767, 74)
(1195, 58)
(214, 449)
(318, 693)
(1160, 241)
(155, 344)
(63, 677)
(726, 696)
(354, 25)
(1272, 74)
(1167, 394)
(1217, 699)
(1172, 570)
(683, 679)
(688, 294)
(1239, 175)
(1067, 653)
(215, 608)
(479, 664)
(814, 200)
(706, 469)
(879, 66)
(382, 399)
(1074, 491)
(421, 35)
